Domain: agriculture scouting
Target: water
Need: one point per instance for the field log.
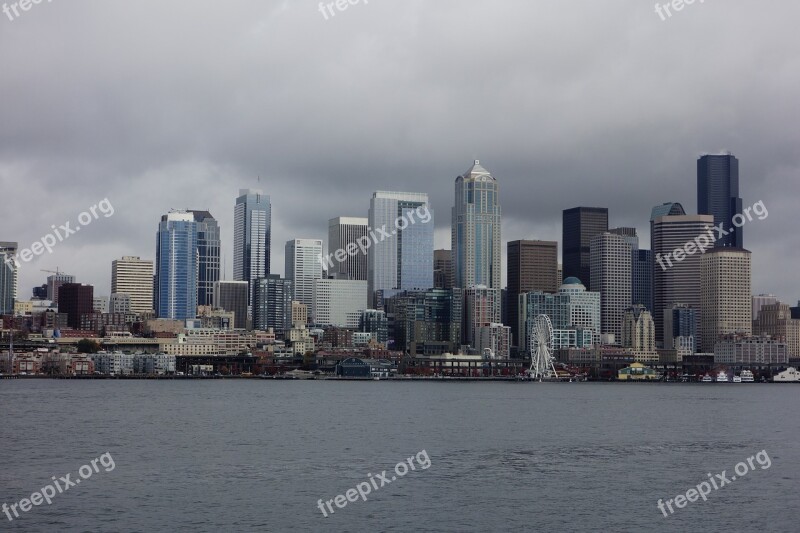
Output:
(236, 455)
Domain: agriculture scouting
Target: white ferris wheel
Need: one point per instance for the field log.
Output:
(541, 346)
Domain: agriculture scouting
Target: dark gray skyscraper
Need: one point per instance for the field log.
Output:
(232, 297)
(208, 254)
(718, 195)
(252, 236)
(8, 277)
(580, 225)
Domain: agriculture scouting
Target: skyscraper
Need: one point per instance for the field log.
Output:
(134, 276)
(641, 269)
(344, 231)
(303, 266)
(8, 277)
(443, 269)
(718, 195)
(580, 225)
(339, 302)
(54, 282)
(610, 259)
(404, 260)
(232, 297)
(75, 300)
(475, 237)
(727, 305)
(482, 309)
(272, 304)
(177, 258)
(675, 281)
(531, 266)
(208, 251)
(252, 236)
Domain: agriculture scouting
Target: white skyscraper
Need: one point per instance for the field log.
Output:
(339, 302)
(252, 237)
(610, 267)
(303, 266)
(727, 305)
(344, 231)
(476, 244)
(134, 276)
(403, 260)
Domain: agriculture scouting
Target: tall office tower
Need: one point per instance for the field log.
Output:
(252, 236)
(641, 269)
(75, 300)
(376, 323)
(443, 269)
(177, 266)
(303, 266)
(775, 320)
(272, 304)
(638, 334)
(482, 309)
(208, 252)
(55, 282)
(425, 322)
(134, 276)
(299, 313)
(339, 302)
(531, 266)
(760, 301)
(344, 232)
(404, 260)
(8, 277)
(680, 329)
(676, 274)
(718, 195)
(727, 305)
(580, 226)
(475, 232)
(232, 297)
(610, 259)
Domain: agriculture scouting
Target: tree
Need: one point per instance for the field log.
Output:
(88, 346)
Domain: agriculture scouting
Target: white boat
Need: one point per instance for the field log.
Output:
(737, 379)
(707, 379)
(790, 375)
(722, 377)
(747, 377)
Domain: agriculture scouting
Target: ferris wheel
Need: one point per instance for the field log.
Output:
(541, 346)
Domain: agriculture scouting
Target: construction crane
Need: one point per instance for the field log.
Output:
(57, 272)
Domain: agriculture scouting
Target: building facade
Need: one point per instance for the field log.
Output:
(530, 266)
(579, 226)
(75, 300)
(342, 232)
(727, 306)
(718, 196)
(272, 304)
(252, 237)
(134, 276)
(177, 266)
(232, 297)
(610, 265)
(303, 267)
(339, 302)
(8, 277)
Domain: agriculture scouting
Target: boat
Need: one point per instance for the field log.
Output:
(747, 377)
(737, 379)
(707, 379)
(722, 377)
(790, 375)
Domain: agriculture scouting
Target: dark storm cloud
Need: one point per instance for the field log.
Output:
(160, 105)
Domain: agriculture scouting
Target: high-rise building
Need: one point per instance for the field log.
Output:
(339, 302)
(272, 304)
(75, 300)
(580, 226)
(610, 259)
(726, 306)
(134, 276)
(299, 314)
(531, 266)
(376, 323)
(760, 301)
(232, 297)
(404, 260)
(303, 266)
(252, 236)
(638, 334)
(208, 252)
(344, 232)
(482, 308)
(177, 266)
(475, 232)
(8, 277)
(494, 339)
(425, 322)
(718, 195)
(676, 274)
(443, 269)
(775, 320)
(641, 269)
(54, 282)
(681, 329)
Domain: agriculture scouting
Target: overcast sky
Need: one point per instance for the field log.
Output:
(178, 104)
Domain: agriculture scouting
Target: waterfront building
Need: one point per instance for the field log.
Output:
(747, 350)
(726, 295)
(775, 320)
(426, 322)
(638, 334)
